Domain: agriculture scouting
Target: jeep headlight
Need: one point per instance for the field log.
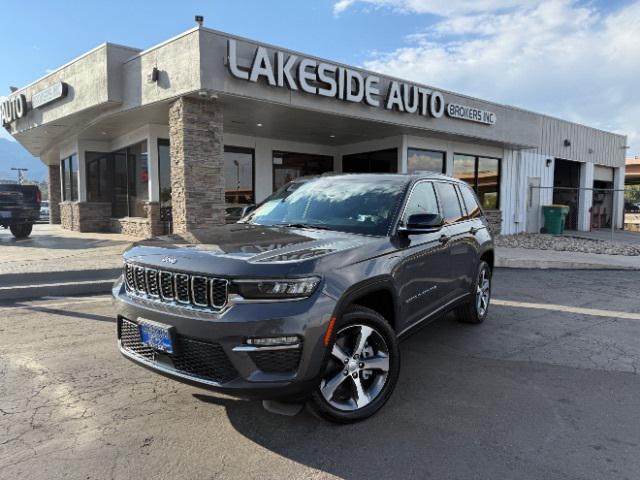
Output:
(277, 289)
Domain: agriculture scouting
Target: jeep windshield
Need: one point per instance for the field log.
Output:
(354, 204)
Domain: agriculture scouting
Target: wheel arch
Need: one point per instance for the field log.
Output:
(377, 293)
(489, 257)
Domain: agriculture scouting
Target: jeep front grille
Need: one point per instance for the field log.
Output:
(177, 287)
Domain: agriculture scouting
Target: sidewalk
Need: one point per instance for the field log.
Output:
(52, 249)
(57, 262)
(54, 262)
(546, 259)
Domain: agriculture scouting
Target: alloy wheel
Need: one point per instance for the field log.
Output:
(483, 292)
(358, 369)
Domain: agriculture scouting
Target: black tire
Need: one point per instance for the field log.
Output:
(21, 230)
(357, 317)
(470, 312)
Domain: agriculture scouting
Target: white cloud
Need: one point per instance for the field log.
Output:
(436, 7)
(555, 56)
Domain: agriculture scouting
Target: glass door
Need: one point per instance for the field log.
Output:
(164, 169)
(120, 208)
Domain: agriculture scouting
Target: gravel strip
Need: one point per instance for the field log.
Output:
(566, 244)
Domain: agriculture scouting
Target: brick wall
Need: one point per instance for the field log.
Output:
(197, 173)
(66, 215)
(54, 194)
(494, 218)
(85, 216)
(140, 227)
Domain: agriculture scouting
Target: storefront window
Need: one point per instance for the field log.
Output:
(425, 160)
(483, 175)
(464, 168)
(121, 178)
(99, 177)
(238, 176)
(488, 182)
(380, 161)
(288, 166)
(69, 173)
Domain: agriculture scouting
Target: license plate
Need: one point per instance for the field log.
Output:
(156, 335)
(4, 214)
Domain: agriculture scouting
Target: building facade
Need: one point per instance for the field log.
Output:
(175, 137)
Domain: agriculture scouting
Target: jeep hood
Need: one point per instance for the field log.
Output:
(244, 249)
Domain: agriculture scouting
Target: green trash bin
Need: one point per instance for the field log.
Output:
(554, 218)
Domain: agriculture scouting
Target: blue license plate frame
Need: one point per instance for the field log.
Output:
(156, 335)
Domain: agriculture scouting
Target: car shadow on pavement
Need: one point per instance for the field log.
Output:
(399, 441)
(69, 313)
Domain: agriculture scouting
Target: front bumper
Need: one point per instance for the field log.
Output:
(211, 351)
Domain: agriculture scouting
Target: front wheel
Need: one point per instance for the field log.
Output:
(362, 371)
(21, 230)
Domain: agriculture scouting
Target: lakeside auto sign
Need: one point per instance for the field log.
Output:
(16, 106)
(325, 79)
(13, 108)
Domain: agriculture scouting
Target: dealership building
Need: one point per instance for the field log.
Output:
(169, 139)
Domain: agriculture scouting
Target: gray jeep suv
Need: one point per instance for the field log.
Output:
(306, 298)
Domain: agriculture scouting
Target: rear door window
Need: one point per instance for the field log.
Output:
(449, 203)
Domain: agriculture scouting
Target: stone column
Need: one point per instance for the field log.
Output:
(152, 210)
(197, 173)
(55, 194)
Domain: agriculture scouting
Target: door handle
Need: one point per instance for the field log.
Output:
(444, 238)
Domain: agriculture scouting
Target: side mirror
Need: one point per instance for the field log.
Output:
(422, 223)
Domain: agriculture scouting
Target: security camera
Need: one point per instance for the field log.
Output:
(203, 94)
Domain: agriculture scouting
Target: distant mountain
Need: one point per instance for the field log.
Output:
(12, 154)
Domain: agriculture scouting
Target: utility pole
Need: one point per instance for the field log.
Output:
(20, 174)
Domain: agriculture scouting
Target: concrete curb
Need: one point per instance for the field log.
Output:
(53, 284)
(9, 294)
(557, 265)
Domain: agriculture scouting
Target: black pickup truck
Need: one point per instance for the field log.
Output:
(19, 208)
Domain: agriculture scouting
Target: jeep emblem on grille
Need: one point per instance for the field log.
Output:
(170, 260)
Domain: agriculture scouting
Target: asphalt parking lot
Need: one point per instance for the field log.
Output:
(547, 388)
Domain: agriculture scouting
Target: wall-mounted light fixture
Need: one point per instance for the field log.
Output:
(567, 142)
(549, 162)
(153, 75)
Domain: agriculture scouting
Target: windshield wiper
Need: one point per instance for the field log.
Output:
(302, 225)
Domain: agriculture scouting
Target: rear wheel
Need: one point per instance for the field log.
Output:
(475, 311)
(363, 369)
(21, 230)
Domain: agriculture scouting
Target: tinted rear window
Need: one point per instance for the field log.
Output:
(449, 203)
(473, 209)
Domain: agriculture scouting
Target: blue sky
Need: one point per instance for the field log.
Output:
(574, 59)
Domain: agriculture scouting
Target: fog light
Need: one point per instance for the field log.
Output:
(272, 341)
